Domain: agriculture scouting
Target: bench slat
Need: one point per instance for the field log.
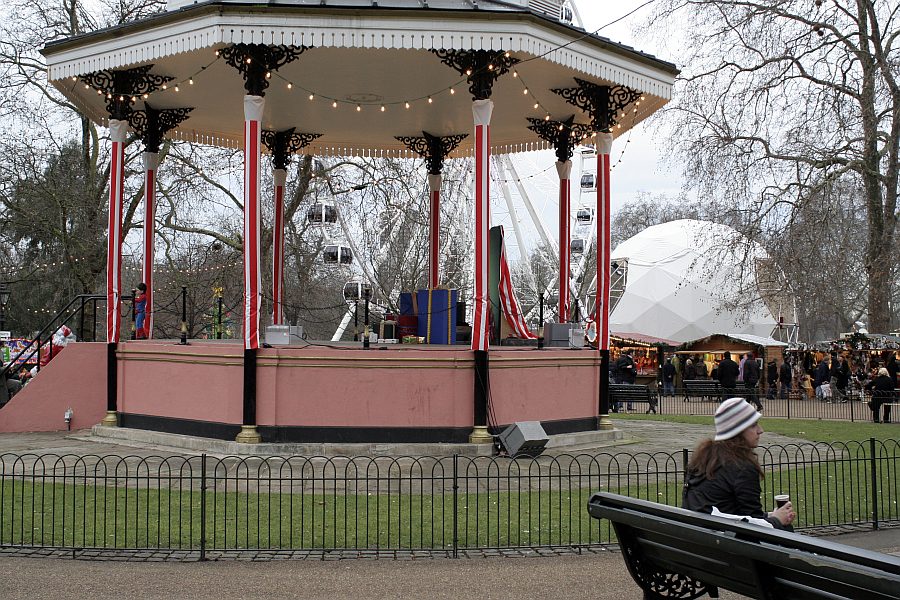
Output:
(662, 542)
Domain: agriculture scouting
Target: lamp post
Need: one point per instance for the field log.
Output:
(4, 299)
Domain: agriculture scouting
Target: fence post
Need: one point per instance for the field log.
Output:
(685, 458)
(203, 507)
(874, 472)
(455, 506)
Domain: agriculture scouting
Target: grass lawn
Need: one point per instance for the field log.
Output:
(806, 429)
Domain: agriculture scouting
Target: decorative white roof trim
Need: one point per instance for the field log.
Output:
(323, 148)
(345, 31)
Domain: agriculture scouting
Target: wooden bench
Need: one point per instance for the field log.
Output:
(707, 389)
(675, 553)
(620, 393)
(711, 389)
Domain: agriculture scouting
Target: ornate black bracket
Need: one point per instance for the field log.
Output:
(256, 61)
(564, 135)
(656, 583)
(432, 148)
(602, 102)
(481, 67)
(123, 87)
(284, 143)
(151, 125)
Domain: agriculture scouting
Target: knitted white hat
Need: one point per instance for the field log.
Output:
(734, 416)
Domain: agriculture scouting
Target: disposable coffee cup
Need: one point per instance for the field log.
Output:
(781, 500)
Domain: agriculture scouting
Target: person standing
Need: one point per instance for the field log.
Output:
(727, 373)
(140, 311)
(771, 379)
(882, 389)
(626, 372)
(785, 377)
(668, 373)
(822, 378)
(724, 472)
(842, 378)
(751, 379)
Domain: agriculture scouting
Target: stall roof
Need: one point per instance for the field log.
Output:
(746, 338)
(642, 338)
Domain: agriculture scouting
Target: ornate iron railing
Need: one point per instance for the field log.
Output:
(448, 504)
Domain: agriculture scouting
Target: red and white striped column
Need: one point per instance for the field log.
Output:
(604, 146)
(117, 131)
(434, 231)
(481, 111)
(564, 169)
(253, 111)
(151, 164)
(280, 177)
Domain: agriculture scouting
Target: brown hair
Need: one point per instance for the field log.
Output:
(710, 456)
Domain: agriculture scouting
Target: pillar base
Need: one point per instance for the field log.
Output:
(480, 435)
(248, 435)
(111, 419)
(605, 423)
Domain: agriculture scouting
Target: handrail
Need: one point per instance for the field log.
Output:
(45, 335)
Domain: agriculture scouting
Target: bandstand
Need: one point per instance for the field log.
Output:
(393, 78)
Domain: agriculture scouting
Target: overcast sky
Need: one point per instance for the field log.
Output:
(642, 167)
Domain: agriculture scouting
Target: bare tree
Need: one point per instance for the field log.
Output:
(781, 99)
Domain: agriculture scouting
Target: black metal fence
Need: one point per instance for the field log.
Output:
(450, 504)
(853, 407)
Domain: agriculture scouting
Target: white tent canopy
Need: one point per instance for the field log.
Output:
(685, 281)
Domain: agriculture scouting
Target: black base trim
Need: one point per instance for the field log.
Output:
(207, 429)
(332, 435)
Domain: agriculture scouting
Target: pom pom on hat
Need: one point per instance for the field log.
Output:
(734, 416)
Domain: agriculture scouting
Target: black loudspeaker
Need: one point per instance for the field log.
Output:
(460, 313)
(525, 438)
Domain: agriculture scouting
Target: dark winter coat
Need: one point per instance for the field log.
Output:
(734, 490)
(784, 373)
(751, 372)
(625, 369)
(728, 373)
(822, 374)
(771, 372)
(669, 372)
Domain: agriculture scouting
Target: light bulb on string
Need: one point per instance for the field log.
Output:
(430, 100)
(190, 81)
(334, 104)
(312, 96)
(407, 105)
(382, 108)
(358, 108)
(290, 85)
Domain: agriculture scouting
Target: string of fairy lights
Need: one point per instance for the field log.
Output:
(408, 103)
(429, 99)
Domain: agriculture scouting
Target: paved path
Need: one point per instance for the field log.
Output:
(600, 574)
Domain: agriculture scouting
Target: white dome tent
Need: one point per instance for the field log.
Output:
(684, 281)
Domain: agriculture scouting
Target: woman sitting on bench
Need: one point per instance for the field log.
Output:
(724, 472)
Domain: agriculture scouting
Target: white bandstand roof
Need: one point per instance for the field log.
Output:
(366, 54)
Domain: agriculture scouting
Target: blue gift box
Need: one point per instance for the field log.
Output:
(407, 304)
(437, 315)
